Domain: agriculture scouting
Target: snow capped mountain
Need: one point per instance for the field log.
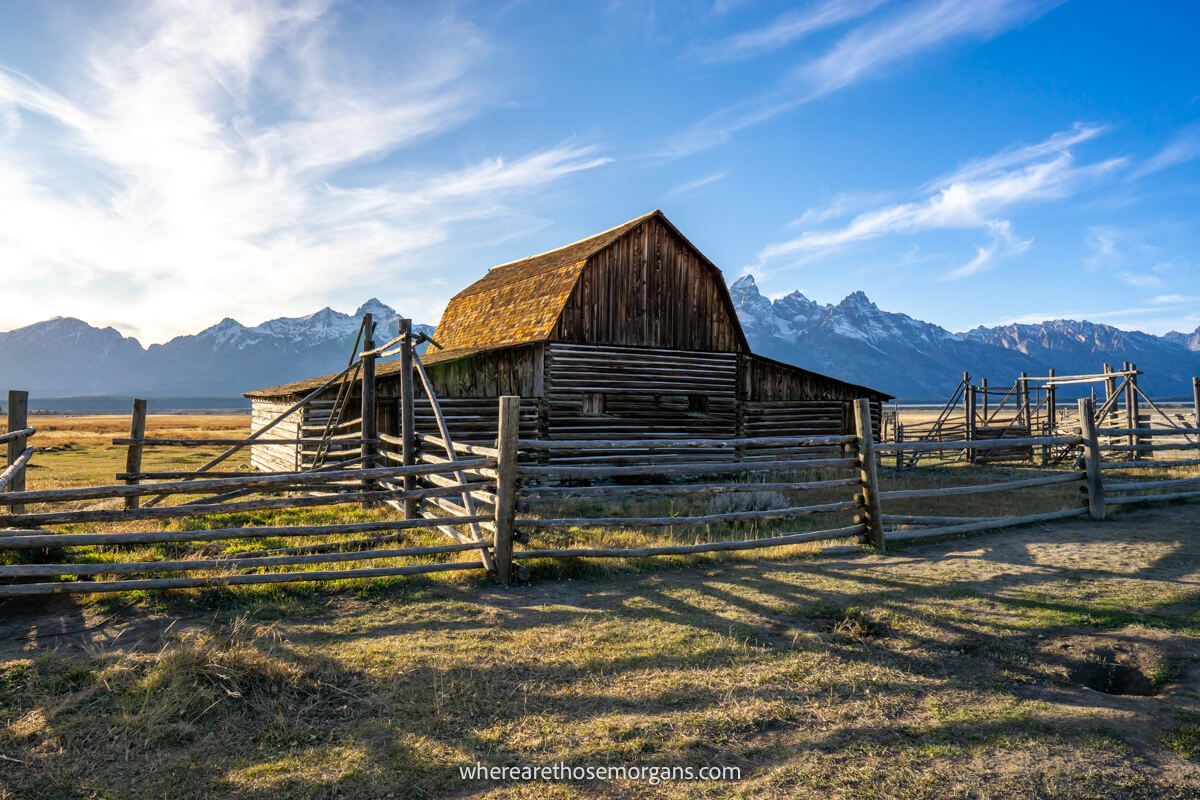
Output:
(1079, 346)
(66, 350)
(857, 341)
(1189, 340)
(854, 340)
(69, 357)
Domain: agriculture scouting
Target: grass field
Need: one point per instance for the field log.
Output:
(977, 667)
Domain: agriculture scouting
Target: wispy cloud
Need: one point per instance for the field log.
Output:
(787, 28)
(687, 187)
(879, 42)
(202, 162)
(842, 204)
(1174, 299)
(1142, 280)
(973, 197)
(1183, 147)
(1157, 318)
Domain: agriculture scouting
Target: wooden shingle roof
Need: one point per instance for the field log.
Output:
(522, 300)
(514, 303)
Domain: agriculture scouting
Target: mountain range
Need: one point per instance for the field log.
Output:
(854, 340)
(914, 360)
(68, 357)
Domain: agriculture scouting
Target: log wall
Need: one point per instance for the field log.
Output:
(598, 392)
(492, 373)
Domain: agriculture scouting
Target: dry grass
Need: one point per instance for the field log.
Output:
(941, 670)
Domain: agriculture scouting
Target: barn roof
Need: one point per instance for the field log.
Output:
(519, 303)
(522, 300)
(428, 358)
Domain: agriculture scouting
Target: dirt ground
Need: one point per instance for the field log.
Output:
(1050, 661)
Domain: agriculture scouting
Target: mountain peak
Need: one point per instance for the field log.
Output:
(857, 299)
(745, 282)
(376, 307)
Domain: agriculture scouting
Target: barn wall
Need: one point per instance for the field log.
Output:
(596, 392)
(504, 371)
(768, 381)
(274, 457)
(787, 401)
(649, 289)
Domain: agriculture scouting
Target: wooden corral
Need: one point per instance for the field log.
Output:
(628, 333)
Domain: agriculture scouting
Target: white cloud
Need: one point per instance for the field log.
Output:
(922, 27)
(1101, 244)
(688, 187)
(1184, 146)
(1142, 280)
(842, 204)
(787, 28)
(983, 257)
(864, 52)
(973, 197)
(200, 163)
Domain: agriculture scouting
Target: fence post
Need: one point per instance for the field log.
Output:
(1051, 416)
(133, 456)
(368, 428)
(1196, 401)
(1131, 412)
(408, 433)
(868, 473)
(969, 408)
(1091, 459)
(506, 485)
(18, 418)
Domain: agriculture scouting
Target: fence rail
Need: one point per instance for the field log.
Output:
(498, 501)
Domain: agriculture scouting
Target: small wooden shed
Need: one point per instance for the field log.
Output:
(628, 333)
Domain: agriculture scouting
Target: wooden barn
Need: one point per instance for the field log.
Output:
(628, 333)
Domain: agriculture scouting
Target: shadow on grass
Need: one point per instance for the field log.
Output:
(300, 691)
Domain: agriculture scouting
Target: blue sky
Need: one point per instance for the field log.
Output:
(167, 164)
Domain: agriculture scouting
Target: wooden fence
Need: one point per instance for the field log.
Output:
(349, 468)
(503, 502)
(1031, 407)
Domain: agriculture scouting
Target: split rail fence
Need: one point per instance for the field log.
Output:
(381, 472)
(1032, 407)
(506, 503)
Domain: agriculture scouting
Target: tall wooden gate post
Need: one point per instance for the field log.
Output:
(506, 486)
(868, 473)
(969, 405)
(18, 419)
(1091, 459)
(1051, 415)
(408, 433)
(369, 428)
(1131, 416)
(133, 457)
(1196, 401)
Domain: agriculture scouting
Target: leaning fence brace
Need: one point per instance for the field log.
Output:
(501, 477)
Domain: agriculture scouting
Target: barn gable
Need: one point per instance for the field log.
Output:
(651, 287)
(640, 283)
